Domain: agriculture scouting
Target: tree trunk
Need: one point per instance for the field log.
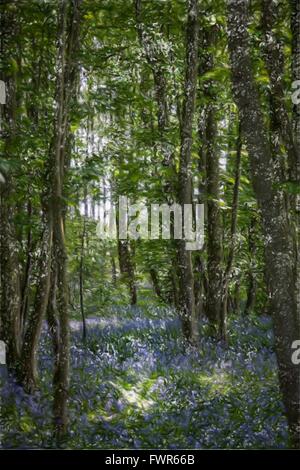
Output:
(27, 371)
(68, 40)
(81, 280)
(154, 62)
(27, 274)
(10, 274)
(185, 268)
(127, 268)
(113, 270)
(232, 243)
(214, 225)
(252, 285)
(201, 284)
(51, 314)
(274, 60)
(155, 282)
(277, 227)
(212, 190)
(295, 27)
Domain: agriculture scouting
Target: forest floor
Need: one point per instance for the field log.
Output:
(136, 384)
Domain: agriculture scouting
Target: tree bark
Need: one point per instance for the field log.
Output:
(113, 270)
(274, 60)
(27, 274)
(155, 283)
(252, 284)
(233, 233)
(156, 68)
(212, 191)
(214, 224)
(295, 27)
(277, 227)
(27, 370)
(127, 268)
(67, 72)
(185, 268)
(10, 309)
(81, 280)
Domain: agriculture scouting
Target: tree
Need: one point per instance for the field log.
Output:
(67, 73)
(277, 226)
(185, 266)
(10, 274)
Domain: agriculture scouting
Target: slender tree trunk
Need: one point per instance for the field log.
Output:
(127, 268)
(27, 274)
(252, 284)
(67, 71)
(233, 230)
(185, 268)
(251, 295)
(212, 189)
(277, 227)
(154, 62)
(27, 371)
(200, 275)
(174, 298)
(52, 315)
(214, 224)
(237, 297)
(125, 256)
(155, 282)
(113, 270)
(81, 281)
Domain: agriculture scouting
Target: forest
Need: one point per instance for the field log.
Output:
(149, 224)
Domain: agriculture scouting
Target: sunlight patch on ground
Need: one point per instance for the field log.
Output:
(133, 395)
(219, 381)
(76, 325)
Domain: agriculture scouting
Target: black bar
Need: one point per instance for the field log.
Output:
(142, 458)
